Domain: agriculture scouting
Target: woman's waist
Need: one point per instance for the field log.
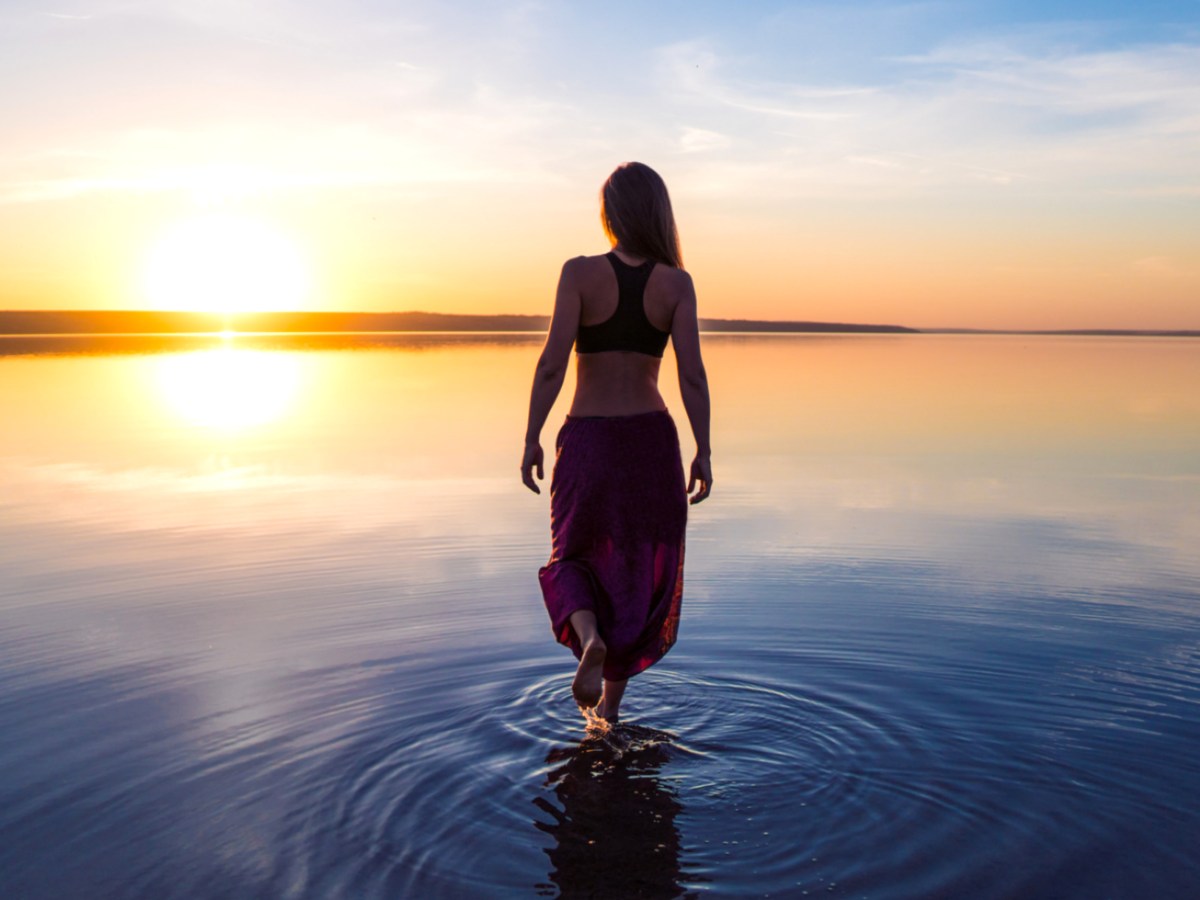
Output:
(652, 434)
(616, 388)
(599, 405)
(662, 413)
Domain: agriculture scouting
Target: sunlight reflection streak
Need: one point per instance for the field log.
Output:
(230, 388)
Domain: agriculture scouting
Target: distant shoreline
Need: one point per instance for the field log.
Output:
(147, 322)
(1070, 332)
(112, 322)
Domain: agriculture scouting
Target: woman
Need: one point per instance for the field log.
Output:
(618, 507)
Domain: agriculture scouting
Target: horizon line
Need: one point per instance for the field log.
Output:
(25, 322)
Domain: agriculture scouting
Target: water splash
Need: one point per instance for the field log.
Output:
(594, 723)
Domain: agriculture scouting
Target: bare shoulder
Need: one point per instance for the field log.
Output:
(675, 284)
(679, 279)
(578, 262)
(584, 271)
(574, 266)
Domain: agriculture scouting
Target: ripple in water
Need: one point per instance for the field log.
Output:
(733, 786)
(465, 802)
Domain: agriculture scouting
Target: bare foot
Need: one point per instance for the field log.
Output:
(610, 700)
(588, 682)
(603, 706)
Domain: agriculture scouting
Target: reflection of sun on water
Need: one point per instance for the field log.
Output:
(225, 263)
(230, 388)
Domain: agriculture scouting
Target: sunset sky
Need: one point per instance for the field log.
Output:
(975, 164)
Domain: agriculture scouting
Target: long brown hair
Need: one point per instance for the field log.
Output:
(635, 210)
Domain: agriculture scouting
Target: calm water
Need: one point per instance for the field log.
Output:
(270, 627)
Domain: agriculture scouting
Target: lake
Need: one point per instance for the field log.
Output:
(270, 626)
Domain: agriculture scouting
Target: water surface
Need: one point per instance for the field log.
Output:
(270, 626)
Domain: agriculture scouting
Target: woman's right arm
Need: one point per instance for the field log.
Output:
(551, 369)
(693, 386)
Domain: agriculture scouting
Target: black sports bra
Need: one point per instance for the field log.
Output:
(627, 328)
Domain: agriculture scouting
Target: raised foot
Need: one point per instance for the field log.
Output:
(589, 677)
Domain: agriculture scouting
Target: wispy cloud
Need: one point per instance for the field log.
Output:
(700, 140)
(328, 102)
(991, 113)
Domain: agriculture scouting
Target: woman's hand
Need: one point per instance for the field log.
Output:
(531, 460)
(701, 475)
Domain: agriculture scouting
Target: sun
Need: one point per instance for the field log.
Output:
(227, 264)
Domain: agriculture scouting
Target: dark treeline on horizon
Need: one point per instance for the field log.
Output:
(106, 321)
(171, 322)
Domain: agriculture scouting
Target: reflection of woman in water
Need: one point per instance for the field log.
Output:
(618, 507)
(615, 835)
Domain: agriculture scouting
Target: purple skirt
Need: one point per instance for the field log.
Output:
(618, 511)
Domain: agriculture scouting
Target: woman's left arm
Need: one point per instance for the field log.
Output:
(693, 385)
(551, 369)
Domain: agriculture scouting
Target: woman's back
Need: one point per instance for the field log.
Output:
(617, 382)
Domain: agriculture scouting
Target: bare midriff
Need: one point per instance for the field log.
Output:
(616, 383)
